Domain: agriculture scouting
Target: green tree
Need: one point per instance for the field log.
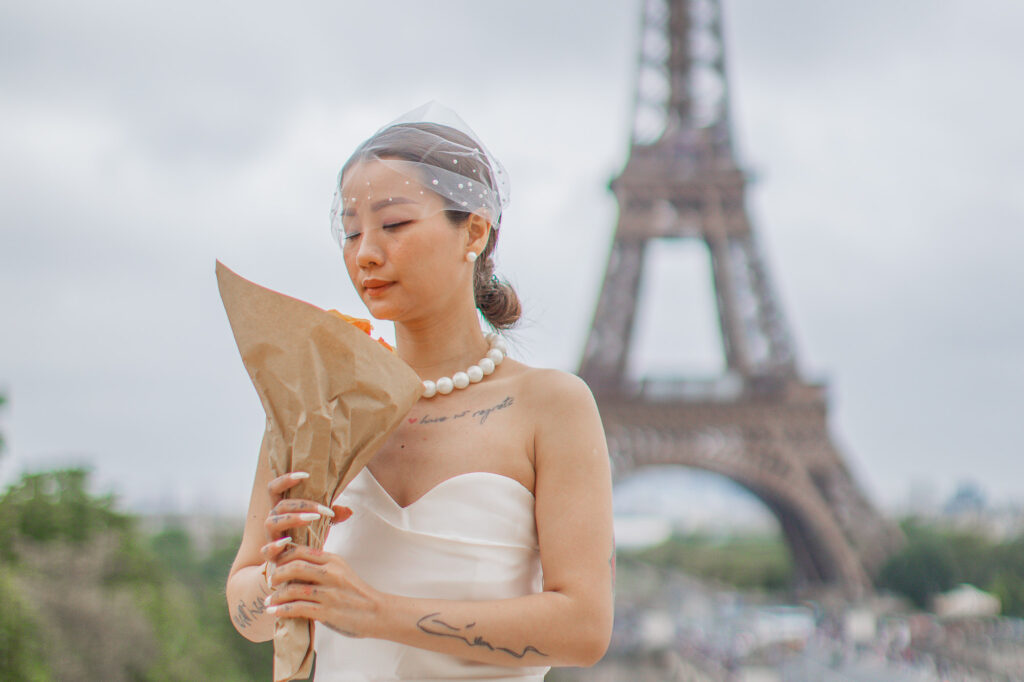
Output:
(98, 600)
(935, 559)
(205, 576)
(56, 505)
(923, 568)
(21, 651)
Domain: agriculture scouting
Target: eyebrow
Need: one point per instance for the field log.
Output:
(383, 203)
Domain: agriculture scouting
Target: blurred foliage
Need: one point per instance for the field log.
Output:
(204, 576)
(56, 506)
(935, 559)
(87, 596)
(746, 561)
(21, 651)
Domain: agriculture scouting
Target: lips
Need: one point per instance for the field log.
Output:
(376, 287)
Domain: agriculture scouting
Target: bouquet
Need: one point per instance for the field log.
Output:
(332, 396)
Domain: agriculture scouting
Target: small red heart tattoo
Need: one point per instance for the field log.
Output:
(412, 420)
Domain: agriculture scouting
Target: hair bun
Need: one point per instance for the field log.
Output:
(497, 300)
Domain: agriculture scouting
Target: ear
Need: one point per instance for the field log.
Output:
(477, 232)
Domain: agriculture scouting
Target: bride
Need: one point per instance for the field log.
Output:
(478, 542)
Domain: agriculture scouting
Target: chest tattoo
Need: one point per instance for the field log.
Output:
(479, 416)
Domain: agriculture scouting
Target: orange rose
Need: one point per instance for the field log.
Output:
(364, 325)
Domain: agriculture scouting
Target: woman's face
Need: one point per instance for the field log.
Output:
(403, 255)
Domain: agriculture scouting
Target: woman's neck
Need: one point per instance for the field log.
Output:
(441, 346)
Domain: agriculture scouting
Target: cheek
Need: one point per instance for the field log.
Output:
(350, 264)
(431, 264)
(404, 254)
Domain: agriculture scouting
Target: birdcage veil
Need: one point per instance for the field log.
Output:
(434, 150)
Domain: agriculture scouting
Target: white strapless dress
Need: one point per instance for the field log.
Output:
(471, 537)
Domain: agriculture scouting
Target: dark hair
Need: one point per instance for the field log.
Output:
(496, 299)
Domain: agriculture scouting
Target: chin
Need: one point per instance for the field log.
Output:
(380, 310)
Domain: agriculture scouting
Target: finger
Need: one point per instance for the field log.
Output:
(298, 505)
(296, 609)
(278, 485)
(277, 524)
(305, 553)
(299, 570)
(272, 550)
(340, 514)
(294, 592)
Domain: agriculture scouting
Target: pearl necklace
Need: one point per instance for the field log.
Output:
(474, 374)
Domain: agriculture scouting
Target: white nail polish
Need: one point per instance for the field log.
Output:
(308, 516)
(272, 609)
(266, 602)
(298, 475)
(281, 542)
(325, 511)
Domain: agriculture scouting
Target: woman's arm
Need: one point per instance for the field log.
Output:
(264, 537)
(569, 623)
(538, 629)
(247, 587)
(574, 514)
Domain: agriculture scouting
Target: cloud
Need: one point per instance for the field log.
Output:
(140, 143)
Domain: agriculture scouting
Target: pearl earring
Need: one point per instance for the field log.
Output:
(471, 257)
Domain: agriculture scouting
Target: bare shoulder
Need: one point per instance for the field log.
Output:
(549, 389)
(560, 406)
(569, 445)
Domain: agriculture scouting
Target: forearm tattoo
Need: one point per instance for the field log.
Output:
(432, 625)
(245, 614)
(346, 633)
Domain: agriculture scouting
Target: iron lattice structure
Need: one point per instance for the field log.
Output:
(759, 423)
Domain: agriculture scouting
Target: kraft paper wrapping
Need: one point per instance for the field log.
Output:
(332, 396)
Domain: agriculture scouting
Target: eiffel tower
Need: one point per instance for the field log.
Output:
(758, 423)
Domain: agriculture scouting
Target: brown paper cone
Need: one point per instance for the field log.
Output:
(332, 396)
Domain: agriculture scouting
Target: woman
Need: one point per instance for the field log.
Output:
(477, 544)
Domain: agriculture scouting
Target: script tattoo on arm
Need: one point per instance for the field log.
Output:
(432, 625)
(478, 415)
(345, 633)
(246, 614)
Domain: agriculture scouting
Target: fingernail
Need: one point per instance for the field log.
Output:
(281, 542)
(298, 475)
(308, 516)
(272, 609)
(266, 602)
(325, 511)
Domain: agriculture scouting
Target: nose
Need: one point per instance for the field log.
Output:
(370, 251)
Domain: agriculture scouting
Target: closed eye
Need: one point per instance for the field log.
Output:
(352, 235)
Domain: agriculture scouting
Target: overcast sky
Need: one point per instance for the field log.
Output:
(138, 143)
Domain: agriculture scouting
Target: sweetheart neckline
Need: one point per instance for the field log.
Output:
(441, 484)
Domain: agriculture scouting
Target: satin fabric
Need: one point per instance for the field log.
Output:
(471, 537)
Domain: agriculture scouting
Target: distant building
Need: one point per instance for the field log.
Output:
(968, 500)
(969, 510)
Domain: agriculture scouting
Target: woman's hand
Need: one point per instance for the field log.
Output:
(286, 514)
(310, 583)
(268, 525)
